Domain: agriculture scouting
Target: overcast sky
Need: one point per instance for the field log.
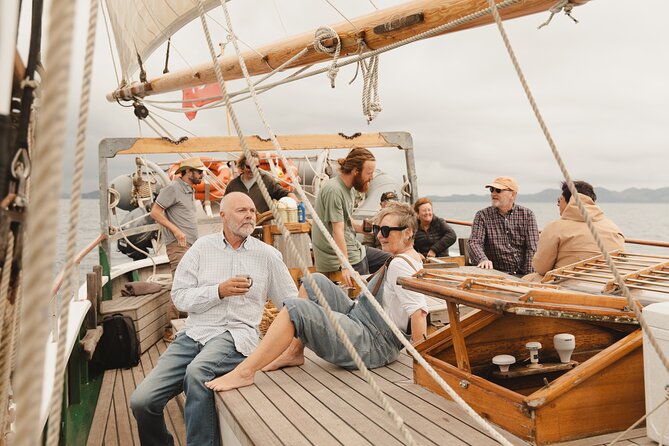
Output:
(602, 86)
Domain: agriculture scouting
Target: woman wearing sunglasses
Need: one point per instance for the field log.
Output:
(434, 235)
(302, 322)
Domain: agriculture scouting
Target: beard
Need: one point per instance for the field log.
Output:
(359, 184)
(245, 229)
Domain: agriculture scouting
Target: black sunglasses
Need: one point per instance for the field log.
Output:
(244, 166)
(385, 230)
(494, 189)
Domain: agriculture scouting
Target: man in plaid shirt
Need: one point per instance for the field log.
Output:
(504, 236)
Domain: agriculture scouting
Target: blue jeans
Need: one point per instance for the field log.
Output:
(368, 333)
(185, 366)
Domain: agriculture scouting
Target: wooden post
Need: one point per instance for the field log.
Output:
(464, 249)
(458, 339)
(267, 236)
(97, 269)
(92, 296)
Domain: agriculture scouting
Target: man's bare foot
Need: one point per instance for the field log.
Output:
(229, 381)
(288, 358)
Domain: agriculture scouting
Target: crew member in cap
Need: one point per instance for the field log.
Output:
(504, 236)
(246, 184)
(174, 210)
(369, 239)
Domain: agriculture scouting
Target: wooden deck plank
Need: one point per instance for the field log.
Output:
(121, 409)
(129, 386)
(630, 438)
(280, 426)
(242, 418)
(312, 430)
(111, 437)
(416, 422)
(348, 413)
(99, 424)
(340, 430)
(356, 392)
(465, 432)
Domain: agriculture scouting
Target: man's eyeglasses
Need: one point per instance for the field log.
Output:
(385, 230)
(244, 166)
(498, 191)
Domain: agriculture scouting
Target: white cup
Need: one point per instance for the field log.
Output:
(564, 344)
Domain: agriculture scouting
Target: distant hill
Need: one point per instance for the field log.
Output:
(631, 195)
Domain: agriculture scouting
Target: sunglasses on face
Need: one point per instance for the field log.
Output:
(385, 230)
(498, 191)
(245, 166)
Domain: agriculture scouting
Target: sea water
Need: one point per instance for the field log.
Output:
(637, 220)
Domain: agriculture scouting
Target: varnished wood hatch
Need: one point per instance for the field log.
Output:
(600, 391)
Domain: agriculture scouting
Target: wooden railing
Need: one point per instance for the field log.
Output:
(632, 241)
(58, 282)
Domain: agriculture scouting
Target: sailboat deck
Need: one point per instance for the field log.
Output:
(314, 404)
(319, 403)
(113, 423)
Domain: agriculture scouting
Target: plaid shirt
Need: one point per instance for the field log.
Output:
(508, 241)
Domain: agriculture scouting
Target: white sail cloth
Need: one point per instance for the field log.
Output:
(141, 26)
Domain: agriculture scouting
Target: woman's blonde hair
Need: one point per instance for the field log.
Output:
(406, 216)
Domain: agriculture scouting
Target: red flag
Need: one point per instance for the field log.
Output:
(191, 97)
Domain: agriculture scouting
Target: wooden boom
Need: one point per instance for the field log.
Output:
(378, 29)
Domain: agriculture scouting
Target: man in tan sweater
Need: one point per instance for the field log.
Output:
(568, 240)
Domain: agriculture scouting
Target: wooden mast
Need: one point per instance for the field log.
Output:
(378, 29)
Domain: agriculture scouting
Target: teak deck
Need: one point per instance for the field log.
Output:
(316, 403)
(113, 423)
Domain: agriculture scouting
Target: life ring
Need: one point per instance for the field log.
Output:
(205, 191)
(273, 163)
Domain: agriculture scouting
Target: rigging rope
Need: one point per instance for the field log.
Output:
(41, 233)
(53, 433)
(579, 203)
(365, 372)
(5, 327)
(371, 103)
(356, 358)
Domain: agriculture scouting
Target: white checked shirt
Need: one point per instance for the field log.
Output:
(210, 261)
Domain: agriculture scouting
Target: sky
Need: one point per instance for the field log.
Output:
(601, 85)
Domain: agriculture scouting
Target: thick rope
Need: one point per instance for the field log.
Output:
(41, 233)
(371, 103)
(323, 33)
(496, 435)
(579, 203)
(53, 432)
(286, 234)
(5, 329)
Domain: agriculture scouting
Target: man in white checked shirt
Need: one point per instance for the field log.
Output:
(224, 311)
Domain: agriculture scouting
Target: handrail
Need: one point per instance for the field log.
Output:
(633, 241)
(77, 260)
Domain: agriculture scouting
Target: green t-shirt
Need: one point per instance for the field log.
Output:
(335, 204)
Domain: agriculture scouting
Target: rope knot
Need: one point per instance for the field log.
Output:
(562, 5)
(324, 33)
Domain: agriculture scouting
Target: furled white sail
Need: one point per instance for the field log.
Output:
(141, 26)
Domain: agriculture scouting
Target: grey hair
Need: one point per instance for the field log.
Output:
(404, 212)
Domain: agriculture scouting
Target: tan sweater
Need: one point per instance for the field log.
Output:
(568, 240)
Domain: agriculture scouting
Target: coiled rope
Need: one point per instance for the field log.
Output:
(324, 33)
(572, 189)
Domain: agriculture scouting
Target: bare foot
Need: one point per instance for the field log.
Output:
(229, 381)
(288, 358)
